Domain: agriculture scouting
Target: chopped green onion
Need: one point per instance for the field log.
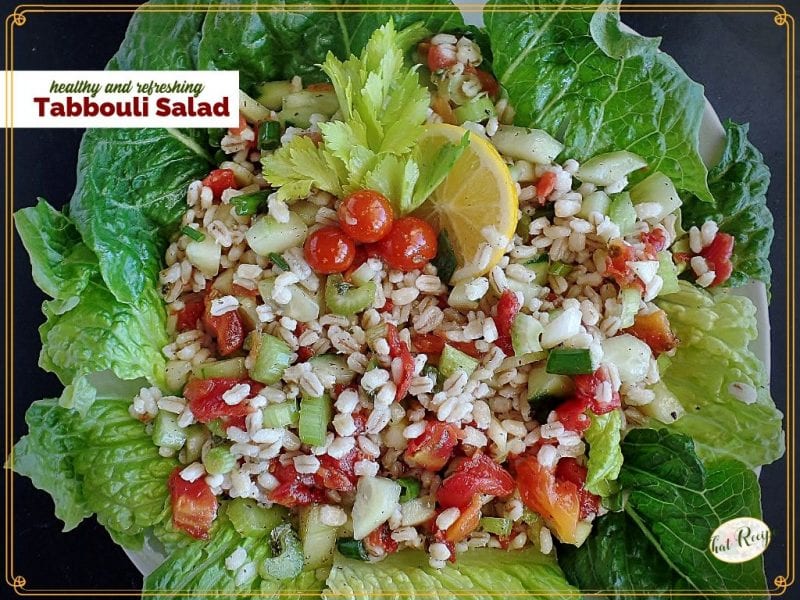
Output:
(560, 268)
(410, 488)
(542, 258)
(280, 415)
(496, 525)
(269, 135)
(278, 260)
(287, 561)
(570, 361)
(197, 236)
(315, 416)
(248, 204)
(350, 548)
(219, 460)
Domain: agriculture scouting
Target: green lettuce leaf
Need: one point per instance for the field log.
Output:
(104, 463)
(198, 568)
(605, 456)
(713, 356)
(559, 79)
(618, 558)
(479, 574)
(678, 503)
(739, 185)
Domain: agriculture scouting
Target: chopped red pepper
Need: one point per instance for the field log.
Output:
(572, 415)
(192, 311)
(206, 403)
(718, 255)
(568, 469)
(227, 328)
(338, 474)
(586, 388)
(380, 539)
(478, 474)
(507, 308)
(654, 330)
(654, 240)
(434, 448)
(194, 505)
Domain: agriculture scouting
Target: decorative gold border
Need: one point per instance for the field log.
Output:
(18, 18)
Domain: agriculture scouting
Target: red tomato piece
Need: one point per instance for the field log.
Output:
(507, 308)
(656, 239)
(366, 216)
(428, 343)
(398, 349)
(294, 494)
(654, 330)
(467, 521)
(319, 87)
(220, 180)
(387, 307)
(545, 185)
(568, 469)
(410, 244)
(205, 398)
(572, 415)
(476, 475)
(194, 505)
(718, 255)
(488, 82)
(242, 126)
(434, 447)
(440, 58)
(586, 387)
(239, 290)
(379, 541)
(338, 474)
(191, 313)
(329, 250)
(227, 328)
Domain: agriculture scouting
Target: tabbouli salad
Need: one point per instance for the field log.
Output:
(415, 336)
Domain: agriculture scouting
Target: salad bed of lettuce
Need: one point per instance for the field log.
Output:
(575, 74)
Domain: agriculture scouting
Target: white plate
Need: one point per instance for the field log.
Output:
(712, 143)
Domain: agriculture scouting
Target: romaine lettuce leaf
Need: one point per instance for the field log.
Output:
(678, 503)
(605, 456)
(739, 185)
(713, 356)
(559, 79)
(477, 575)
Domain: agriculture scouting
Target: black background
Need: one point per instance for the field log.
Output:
(740, 58)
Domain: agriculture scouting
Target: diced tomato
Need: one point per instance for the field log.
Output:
(546, 184)
(227, 328)
(568, 469)
(488, 82)
(192, 311)
(338, 474)
(558, 502)
(380, 541)
(440, 58)
(572, 415)
(441, 106)
(586, 387)
(467, 521)
(507, 308)
(296, 494)
(428, 343)
(319, 87)
(434, 447)
(220, 180)
(388, 306)
(654, 330)
(194, 505)
(286, 473)
(205, 399)
(682, 257)
(718, 255)
(476, 475)
(239, 290)
(620, 253)
(656, 239)
(242, 126)
(360, 419)
(398, 349)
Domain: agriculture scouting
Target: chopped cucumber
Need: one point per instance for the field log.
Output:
(167, 432)
(526, 332)
(541, 266)
(272, 93)
(335, 365)
(522, 171)
(287, 561)
(668, 273)
(363, 274)
(352, 548)
(609, 168)
(657, 188)
(496, 525)
(248, 313)
(458, 297)
(596, 202)
(196, 437)
(324, 102)
(219, 460)
(376, 500)
(411, 487)
(284, 414)
(417, 511)
(543, 386)
(453, 360)
(306, 210)
(344, 299)
(630, 298)
(630, 355)
(476, 110)
(622, 213)
(562, 327)
(268, 235)
(665, 406)
(521, 143)
(319, 539)
(205, 255)
(231, 368)
(253, 111)
(302, 307)
(270, 356)
(315, 416)
(252, 520)
(570, 361)
(224, 283)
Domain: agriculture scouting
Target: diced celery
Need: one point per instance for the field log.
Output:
(252, 520)
(284, 414)
(272, 93)
(630, 298)
(526, 332)
(559, 268)
(323, 102)
(315, 416)
(253, 111)
(570, 361)
(543, 386)
(205, 255)
(342, 298)
(476, 110)
(410, 486)
(287, 563)
(318, 539)
(533, 145)
(596, 202)
(668, 273)
(219, 460)
(232, 368)
(496, 525)
(621, 212)
(453, 360)
(609, 168)
(270, 357)
(196, 436)
(657, 188)
(167, 432)
(268, 235)
(334, 365)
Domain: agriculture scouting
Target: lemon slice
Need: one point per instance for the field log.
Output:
(476, 204)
